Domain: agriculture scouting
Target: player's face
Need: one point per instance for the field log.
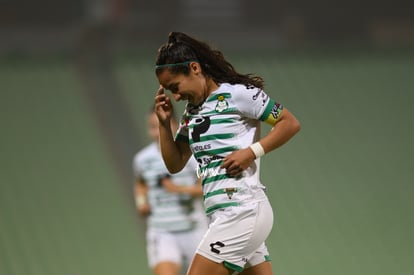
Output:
(152, 124)
(192, 87)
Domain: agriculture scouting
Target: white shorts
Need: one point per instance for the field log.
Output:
(236, 236)
(177, 247)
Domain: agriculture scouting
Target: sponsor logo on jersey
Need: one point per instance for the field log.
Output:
(198, 148)
(214, 246)
(206, 160)
(262, 95)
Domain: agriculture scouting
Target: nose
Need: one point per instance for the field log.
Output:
(177, 97)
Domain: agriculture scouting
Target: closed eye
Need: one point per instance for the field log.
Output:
(173, 88)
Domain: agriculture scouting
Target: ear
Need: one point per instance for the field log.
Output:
(195, 67)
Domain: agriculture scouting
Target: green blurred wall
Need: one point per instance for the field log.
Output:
(342, 188)
(62, 209)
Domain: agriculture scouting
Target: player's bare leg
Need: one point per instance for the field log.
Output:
(167, 268)
(203, 266)
(264, 268)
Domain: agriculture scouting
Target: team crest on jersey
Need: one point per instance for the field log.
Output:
(230, 192)
(222, 104)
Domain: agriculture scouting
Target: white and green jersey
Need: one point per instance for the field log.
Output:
(228, 120)
(169, 211)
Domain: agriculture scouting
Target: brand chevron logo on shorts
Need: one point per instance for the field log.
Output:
(215, 250)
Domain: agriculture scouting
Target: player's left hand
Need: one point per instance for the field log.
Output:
(238, 161)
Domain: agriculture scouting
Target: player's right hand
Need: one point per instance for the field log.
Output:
(163, 106)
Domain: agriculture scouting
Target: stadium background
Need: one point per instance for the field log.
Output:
(76, 79)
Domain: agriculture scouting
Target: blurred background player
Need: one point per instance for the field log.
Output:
(172, 205)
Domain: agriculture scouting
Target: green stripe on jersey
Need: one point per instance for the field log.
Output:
(220, 206)
(215, 178)
(221, 191)
(215, 137)
(215, 97)
(217, 121)
(222, 120)
(213, 164)
(228, 110)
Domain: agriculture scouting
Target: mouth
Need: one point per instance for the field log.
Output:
(187, 98)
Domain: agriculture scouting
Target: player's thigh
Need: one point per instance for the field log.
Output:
(236, 234)
(264, 268)
(203, 266)
(167, 268)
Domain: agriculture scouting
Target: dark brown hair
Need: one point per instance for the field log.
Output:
(181, 49)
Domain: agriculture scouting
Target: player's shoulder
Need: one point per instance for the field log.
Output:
(242, 96)
(231, 88)
(241, 90)
(228, 91)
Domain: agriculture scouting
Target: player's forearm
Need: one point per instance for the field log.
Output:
(192, 190)
(141, 201)
(282, 132)
(195, 191)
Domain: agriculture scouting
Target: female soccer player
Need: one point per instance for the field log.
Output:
(221, 129)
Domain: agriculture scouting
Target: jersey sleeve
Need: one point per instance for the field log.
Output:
(255, 103)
